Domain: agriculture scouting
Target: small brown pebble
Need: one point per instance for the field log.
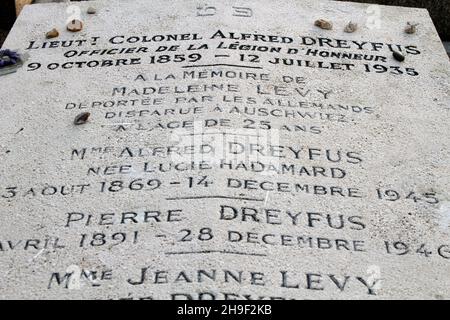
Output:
(398, 56)
(351, 27)
(75, 26)
(323, 24)
(91, 10)
(411, 28)
(52, 34)
(82, 118)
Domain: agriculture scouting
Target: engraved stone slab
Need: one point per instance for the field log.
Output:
(225, 150)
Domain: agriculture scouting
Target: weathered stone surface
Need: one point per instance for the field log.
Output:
(231, 152)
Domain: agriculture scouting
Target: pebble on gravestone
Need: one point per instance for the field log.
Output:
(324, 24)
(52, 34)
(237, 152)
(75, 25)
(351, 27)
(82, 118)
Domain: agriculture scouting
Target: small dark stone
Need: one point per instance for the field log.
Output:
(398, 56)
(82, 118)
(324, 24)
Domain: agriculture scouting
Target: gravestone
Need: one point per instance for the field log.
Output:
(225, 150)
